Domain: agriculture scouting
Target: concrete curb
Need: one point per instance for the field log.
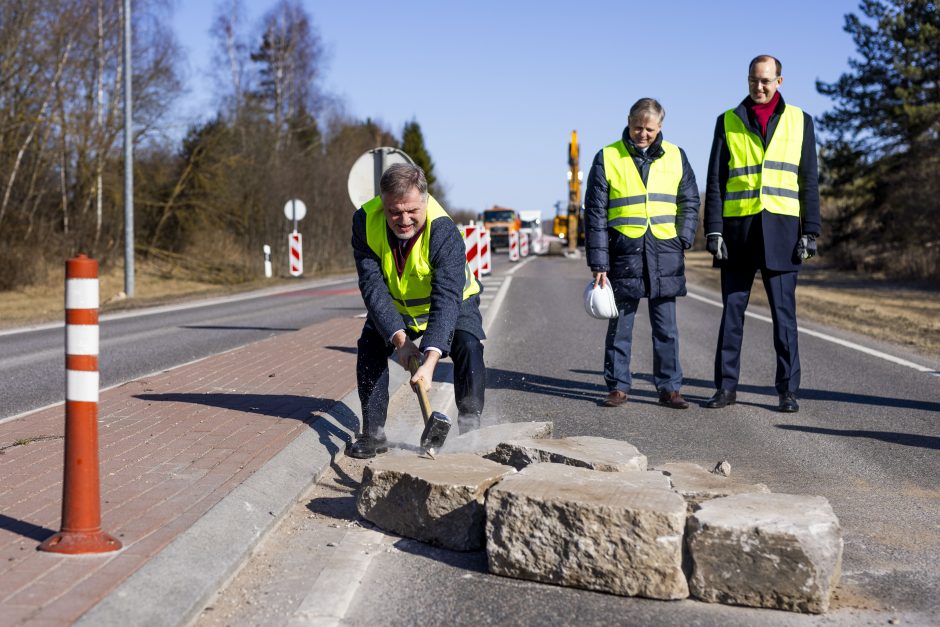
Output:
(174, 586)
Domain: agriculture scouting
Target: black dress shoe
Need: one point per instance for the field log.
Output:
(722, 398)
(788, 403)
(367, 446)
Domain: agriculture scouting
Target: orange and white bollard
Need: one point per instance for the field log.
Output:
(81, 499)
(524, 244)
(514, 246)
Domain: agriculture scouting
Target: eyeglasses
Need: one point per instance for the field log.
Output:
(766, 82)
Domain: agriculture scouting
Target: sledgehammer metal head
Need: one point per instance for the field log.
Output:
(435, 432)
(436, 424)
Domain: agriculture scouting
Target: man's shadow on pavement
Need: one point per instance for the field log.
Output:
(313, 410)
(905, 439)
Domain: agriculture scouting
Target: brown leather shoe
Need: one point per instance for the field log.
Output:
(615, 398)
(673, 400)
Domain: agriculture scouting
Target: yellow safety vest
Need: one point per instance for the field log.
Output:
(411, 292)
(633, 207)
(759, 179)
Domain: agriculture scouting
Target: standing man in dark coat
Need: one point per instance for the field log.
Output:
(415, 282)
(641, 212)
(761, 213)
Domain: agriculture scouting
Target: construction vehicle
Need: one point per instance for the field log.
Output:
(500, 222)
(574, 195)
(568, 217)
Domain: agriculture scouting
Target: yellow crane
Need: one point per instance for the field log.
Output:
(566, 225)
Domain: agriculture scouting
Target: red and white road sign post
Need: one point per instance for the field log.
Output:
(296, 247)
(524, 244)
(514, 246)
(295, 210)
(471, 241)
(81, 492)
(486, 258)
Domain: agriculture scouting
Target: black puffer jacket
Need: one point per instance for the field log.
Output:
(643, 267)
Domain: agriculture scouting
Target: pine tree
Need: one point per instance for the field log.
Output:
(413, 145)
(880, 169)
(890, 101)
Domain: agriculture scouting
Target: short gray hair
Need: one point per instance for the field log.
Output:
(647, 107)
(400, 178)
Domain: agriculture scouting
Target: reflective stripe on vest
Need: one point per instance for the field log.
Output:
(411, 292)
(760, 180)
(632, 207)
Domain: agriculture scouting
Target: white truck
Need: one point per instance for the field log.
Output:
(532, 224)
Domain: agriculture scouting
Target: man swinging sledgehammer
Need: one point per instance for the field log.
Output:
(415, 282)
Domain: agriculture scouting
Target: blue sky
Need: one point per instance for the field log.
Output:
(497, 87)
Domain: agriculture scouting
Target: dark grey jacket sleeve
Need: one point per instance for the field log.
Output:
(688, 202)
(448, 263)
(595, 216)
(809, 180)
(372, 285)
(716, 179)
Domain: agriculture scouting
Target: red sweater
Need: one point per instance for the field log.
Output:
(763, 112)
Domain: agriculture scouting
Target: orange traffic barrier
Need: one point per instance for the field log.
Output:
(81, 499)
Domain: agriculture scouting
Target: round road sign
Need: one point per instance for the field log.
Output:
(367, 171)
(295, 209)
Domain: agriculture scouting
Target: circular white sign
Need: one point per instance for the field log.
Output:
(295, 209)
(364, 176)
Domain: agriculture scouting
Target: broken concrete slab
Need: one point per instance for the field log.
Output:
(781, 551)
(439, 501)
(617, 532)
(484, 441)
(585, 451)
(697, 485)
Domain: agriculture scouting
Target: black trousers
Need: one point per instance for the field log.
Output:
(466, 351)
(736, 284)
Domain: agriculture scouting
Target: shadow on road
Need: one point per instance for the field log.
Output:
(497, 378)
(303, 408)
(907, 439)
(352, 350)
(811, 394)
(216, 327)
(25, 529)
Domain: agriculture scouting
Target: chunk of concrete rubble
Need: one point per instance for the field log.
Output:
(439, 501)
(697, 485)
(781, 551)
(484, 441)
(585, 451)
(617, 532)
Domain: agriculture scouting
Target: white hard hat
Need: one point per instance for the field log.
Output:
(599, 302)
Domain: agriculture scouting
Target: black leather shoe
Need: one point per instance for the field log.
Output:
(722, 398)
(788, 403)
(367, 446)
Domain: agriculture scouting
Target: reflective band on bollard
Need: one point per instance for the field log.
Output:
(81, 500)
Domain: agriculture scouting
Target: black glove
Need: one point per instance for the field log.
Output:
(806, 247)
(715, 244)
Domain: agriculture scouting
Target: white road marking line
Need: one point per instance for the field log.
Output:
(832, 339)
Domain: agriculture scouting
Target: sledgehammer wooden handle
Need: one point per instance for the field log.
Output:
(423, 400)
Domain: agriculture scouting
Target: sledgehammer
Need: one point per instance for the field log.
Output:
(436, 424)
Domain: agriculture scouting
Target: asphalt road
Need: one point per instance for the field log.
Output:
(138, 343)
(866, 438)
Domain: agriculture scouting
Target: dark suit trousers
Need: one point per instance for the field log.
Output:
(372, 378)
(736, 284)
